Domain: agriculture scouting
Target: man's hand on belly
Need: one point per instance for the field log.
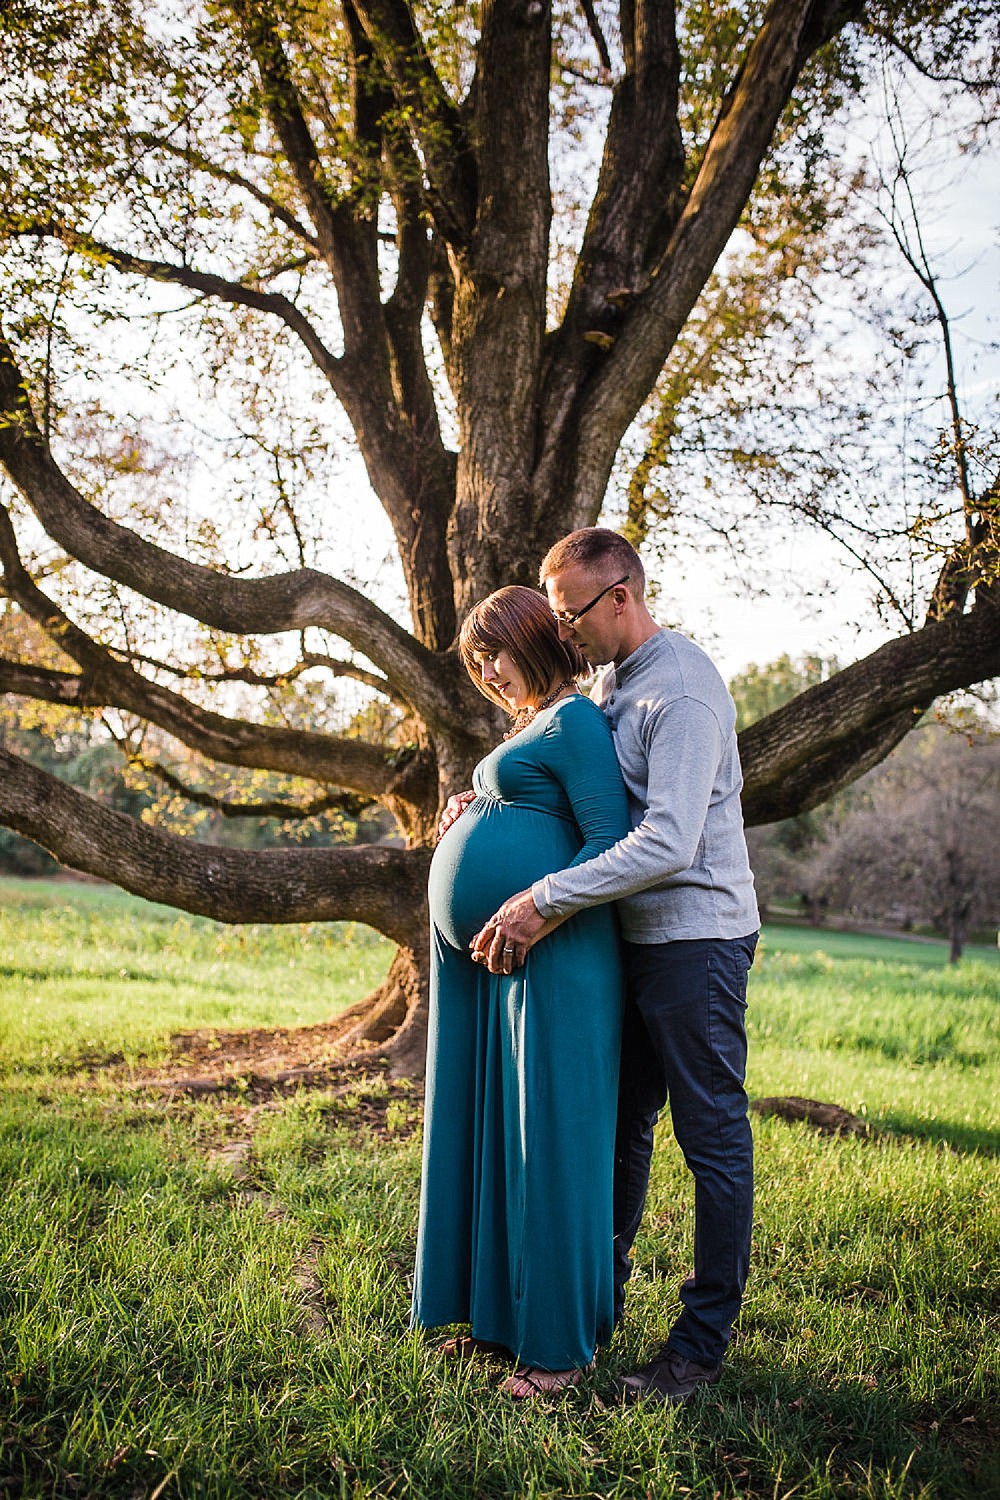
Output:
(504, 941)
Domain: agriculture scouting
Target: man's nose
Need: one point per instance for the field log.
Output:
(566, 632)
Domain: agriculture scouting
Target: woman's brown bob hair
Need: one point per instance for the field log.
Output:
(518, 620)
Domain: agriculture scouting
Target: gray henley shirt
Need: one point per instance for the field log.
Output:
(683, 871)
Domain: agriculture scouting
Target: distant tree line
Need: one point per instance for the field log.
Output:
(914, 844)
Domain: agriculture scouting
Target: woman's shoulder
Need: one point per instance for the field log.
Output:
(579, 702)
(579, 713)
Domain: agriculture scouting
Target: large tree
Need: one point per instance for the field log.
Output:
(364, 191)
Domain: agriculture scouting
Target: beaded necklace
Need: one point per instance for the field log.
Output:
(525, 715)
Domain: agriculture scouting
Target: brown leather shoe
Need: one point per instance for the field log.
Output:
(669, 1378)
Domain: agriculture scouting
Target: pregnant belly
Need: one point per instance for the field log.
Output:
(492, 851)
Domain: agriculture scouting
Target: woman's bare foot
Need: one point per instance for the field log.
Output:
(528, 1381)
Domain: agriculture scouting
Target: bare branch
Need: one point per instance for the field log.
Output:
(341, 668)
(203, 163)
(206, 284)
(892, 40)
(227, 674)
(432, 684)
(915, 255)
(594, 27)
(277, 807)
(370, 884)
(338, 666)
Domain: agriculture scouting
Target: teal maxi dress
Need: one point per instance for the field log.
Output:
(515, 1232)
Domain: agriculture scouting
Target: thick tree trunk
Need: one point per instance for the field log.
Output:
(393, 1018)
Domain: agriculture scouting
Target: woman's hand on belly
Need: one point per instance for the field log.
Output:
(453, 810)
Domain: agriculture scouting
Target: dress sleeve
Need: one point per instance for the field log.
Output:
(580, 753)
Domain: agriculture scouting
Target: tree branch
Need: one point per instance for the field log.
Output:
(594, 27)
(373, 884)
(257, 24)
(916, 257)
(830, 734)
(26, 680)
(338, 666)
(501, 280)
(278, 807)
(435, 122)
(203, 163)
(432, 684)
(207, 285)
(790, 31)
(634, 210)
(106, 680)
(410, 469)
(395, 420)
(441, 294)
(896, 44)
(381, 379)
(420, 515)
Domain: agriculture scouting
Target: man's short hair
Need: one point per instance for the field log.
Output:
(601, 551)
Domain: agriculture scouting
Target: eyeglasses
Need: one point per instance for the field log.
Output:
(570, 620)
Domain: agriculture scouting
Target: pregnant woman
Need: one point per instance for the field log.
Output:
(515, 1232)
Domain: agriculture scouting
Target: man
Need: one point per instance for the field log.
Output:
(689, 918)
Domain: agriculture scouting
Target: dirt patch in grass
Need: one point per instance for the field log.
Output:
(260, 1063)
(262, 1049)
(251, 1069)
(828, 1119)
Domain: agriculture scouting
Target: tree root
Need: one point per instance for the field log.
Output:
(828, 1119)
(386, 1032)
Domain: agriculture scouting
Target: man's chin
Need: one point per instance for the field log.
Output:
(594, 662)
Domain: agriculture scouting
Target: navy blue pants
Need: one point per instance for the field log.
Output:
(685, 1039)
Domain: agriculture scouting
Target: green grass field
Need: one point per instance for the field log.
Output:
(88, 973)
(209, 1298)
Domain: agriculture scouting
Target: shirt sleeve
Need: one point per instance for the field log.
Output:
(683, 744)
(580, 753)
